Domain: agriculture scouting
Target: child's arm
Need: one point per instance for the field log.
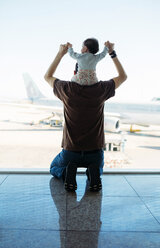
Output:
(102, 54)
(73, 54)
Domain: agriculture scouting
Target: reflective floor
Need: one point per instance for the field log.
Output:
(35, 211)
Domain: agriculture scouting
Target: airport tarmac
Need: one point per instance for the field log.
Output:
(27, 146)
(23, 145)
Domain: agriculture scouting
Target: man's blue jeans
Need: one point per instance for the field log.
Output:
(82, 159)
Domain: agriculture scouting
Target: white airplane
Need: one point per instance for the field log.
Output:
(144, 114)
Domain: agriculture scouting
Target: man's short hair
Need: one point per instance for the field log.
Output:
(92, 45)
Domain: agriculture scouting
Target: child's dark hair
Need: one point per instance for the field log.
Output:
(76, 69)
(92, 45)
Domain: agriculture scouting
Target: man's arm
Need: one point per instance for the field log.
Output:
(121, 73)
(51, 70)
(102, 54)
(122, 76)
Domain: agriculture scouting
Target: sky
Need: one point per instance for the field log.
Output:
(31, 32)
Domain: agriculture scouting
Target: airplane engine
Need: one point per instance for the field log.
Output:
(111, 124)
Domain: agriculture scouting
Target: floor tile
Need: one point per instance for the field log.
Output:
(56, 186)
(94, 213)
(81, 239)
(114, 185)
(129, 240)
(26, 184)
(81, 184)
(31, 239)
(84, 214)
(154, 206)
(112, 240)
(145, 185)
(32, 212)
(126, 214)
(2, 179)
(36, 211)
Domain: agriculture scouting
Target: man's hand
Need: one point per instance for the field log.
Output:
(110, 46)
(63, 49)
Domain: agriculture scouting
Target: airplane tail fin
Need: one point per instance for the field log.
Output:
(32, 90)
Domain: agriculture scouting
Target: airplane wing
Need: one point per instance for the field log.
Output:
(29, 114)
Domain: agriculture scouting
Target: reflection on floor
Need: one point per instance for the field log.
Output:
(35, 211)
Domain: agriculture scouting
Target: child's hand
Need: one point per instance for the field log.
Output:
(106, 43)
(69, 44)
(109, 45)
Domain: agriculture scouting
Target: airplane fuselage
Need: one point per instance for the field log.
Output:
(131, 113)
(136, 113)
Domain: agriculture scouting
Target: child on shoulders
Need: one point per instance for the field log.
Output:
(87, 61)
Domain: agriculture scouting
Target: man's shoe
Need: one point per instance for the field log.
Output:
(70, 179)
(95, 180)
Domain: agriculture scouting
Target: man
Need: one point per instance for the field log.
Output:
(83, 134)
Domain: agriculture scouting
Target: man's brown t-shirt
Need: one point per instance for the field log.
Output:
(83, 113)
